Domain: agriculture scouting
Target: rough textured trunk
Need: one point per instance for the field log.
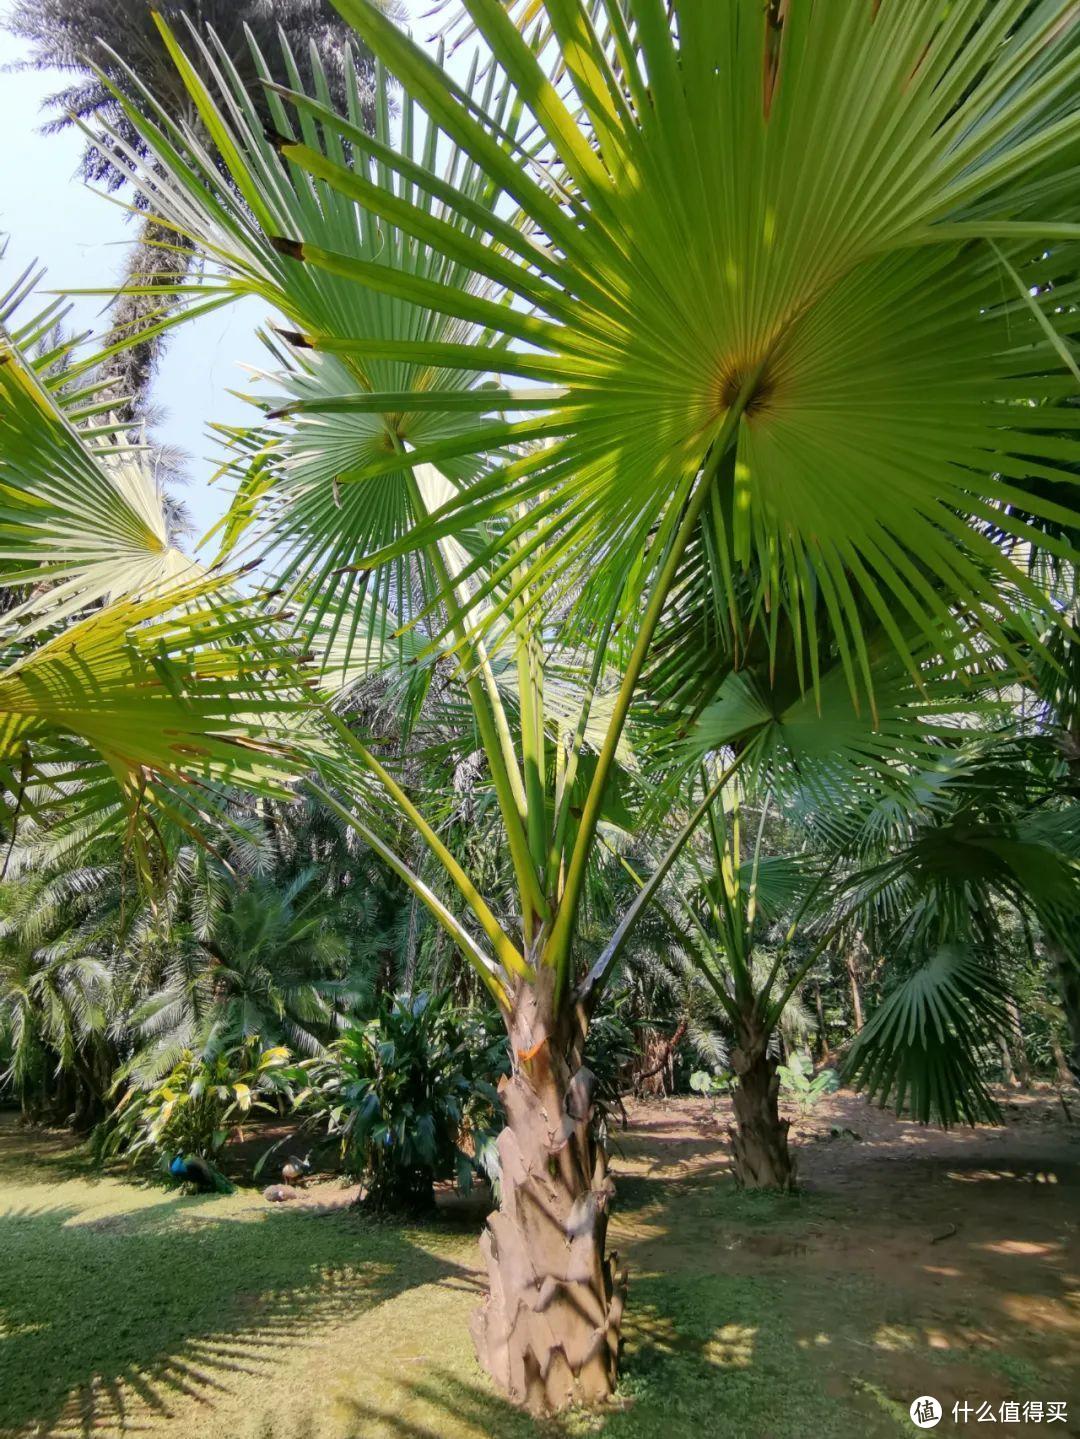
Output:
(1019, 1048)
(657, 1071)
(1008, 1073)
(548, 1331)
(160, 258)
(759, 1139)
(1062, 1071)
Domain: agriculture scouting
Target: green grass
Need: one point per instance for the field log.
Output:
(225, 1316)
(126, 1307)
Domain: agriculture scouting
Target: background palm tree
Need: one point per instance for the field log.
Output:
(100, 43)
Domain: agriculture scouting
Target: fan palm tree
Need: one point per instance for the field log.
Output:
(769, 269)
(992, 829)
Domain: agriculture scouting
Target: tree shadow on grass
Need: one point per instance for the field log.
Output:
(140, 1309)
(703, 1356)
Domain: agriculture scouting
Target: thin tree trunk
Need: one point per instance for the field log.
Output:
(1019, 1049)
(548, 1331)
(852, 966)
(1061, 1064)
(823, 1036)
(1068, 978)
(162, 258)
(1007, 1070)
(759, 1139)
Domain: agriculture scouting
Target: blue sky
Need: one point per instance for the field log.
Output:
(50, 216)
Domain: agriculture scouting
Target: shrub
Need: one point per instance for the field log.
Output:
(799, 1083)
(192, 1109)
(411, 1096)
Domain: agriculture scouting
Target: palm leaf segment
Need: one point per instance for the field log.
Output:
(922, 1048)
(815, 747)
(355, 408)
(129, 674)
(82, 516)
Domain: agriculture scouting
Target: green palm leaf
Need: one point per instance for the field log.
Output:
(185, 685)
(826, 258)
(86, 519)
(810, 743)
(922, 1048)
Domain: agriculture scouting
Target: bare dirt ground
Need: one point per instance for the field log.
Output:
(959, 1250)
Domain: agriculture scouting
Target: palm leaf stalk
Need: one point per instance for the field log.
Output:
(753, 262)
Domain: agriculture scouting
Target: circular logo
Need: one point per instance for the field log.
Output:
(925, 1412)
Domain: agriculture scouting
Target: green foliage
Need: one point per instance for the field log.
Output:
(852, 432)
(410, 1094)
(713, 1085)
(924, 1048)
(800, 1084)
(194, 1108)
(612, 1046)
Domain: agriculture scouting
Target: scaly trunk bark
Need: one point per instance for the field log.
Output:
(759, 1140)
(548, 1331)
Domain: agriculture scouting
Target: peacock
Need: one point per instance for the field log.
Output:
(295, 1171)
(193, 1169)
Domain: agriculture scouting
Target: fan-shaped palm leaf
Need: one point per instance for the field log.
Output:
(80, 521)
(922, 1048)
(832, 315)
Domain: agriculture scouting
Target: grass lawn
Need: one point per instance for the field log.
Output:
(129, 1309)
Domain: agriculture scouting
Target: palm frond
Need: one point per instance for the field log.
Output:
(922, 1049)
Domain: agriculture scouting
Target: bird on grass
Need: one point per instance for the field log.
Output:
(193, 1169)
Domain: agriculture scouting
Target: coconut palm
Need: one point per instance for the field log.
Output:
(769, 269)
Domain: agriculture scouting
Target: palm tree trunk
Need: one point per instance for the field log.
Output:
(1068, 977)
(759, 1139)
(548, 1331)
(851, 964)
(159, 258)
